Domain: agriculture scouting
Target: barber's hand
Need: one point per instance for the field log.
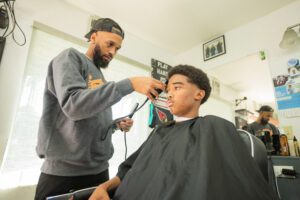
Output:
(269, 130)
(147, 86)
(125, 124)
(99, 193)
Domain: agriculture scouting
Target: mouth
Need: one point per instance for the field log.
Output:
(170, 103)
(107, 58)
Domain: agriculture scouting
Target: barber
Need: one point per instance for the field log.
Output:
(77, 112)
(261, 124)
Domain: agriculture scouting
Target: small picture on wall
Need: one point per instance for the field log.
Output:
(214, 48)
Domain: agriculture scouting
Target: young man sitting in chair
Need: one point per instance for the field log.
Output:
(190, 158)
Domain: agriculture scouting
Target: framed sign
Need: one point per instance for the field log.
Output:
(214, 48)
(159, 111)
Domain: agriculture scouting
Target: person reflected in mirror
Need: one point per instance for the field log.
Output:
(261, 124)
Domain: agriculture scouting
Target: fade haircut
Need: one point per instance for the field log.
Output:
(195, 76)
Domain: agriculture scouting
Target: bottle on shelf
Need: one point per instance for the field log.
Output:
(284, 145)
(296, 146)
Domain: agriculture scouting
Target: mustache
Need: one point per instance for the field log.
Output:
(264, 121)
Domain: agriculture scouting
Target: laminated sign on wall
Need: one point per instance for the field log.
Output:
(287, 89)
(159, 111)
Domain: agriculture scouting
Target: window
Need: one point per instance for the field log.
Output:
(21, 166)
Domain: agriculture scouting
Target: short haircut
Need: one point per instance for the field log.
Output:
(265, 108)
(195, 76)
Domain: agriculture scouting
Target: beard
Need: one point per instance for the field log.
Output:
(98, 59)
(264, 121)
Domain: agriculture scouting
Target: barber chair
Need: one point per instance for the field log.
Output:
(257, 150)
(286, 187)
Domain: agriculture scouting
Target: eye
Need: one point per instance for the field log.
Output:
(176, 87)
(110, 44)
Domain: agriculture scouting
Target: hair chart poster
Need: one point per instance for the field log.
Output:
(287, 89)
(159, 111)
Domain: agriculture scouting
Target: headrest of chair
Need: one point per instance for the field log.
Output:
(247, 134)
(257, 150)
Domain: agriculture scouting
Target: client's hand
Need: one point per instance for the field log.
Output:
(100, 193)
(125, 124)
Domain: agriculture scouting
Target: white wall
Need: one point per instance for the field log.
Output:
(221, 105)
(218, 107)
(262, 34)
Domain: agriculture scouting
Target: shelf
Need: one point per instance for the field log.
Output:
(244, 112)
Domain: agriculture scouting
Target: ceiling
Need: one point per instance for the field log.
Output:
(178, 25)
(249, 75)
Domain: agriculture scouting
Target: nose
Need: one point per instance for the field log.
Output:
(169, 95)
(112, 51)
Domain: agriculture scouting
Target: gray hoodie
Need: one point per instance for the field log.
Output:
(76, 113)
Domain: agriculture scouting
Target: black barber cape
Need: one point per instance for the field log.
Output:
(199, 159)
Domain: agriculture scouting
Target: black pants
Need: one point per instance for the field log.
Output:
(50, 185)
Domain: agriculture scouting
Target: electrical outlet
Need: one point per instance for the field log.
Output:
(278, 169)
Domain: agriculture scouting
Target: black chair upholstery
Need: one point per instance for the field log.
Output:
(255, 146)
(257, 150)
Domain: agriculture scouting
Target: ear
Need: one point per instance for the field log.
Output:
(200, 94)
(93, 38)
